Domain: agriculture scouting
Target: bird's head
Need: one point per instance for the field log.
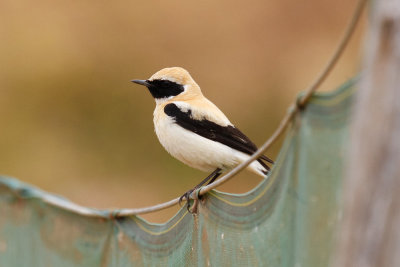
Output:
(171, 83)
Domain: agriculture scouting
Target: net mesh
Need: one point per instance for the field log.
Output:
(290, 219)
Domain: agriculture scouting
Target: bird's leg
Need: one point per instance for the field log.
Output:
(193, 209)
(211, 178)
(215, 177)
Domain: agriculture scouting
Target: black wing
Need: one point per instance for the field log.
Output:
(227, 135)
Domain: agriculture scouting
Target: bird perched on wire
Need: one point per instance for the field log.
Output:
(193, 130)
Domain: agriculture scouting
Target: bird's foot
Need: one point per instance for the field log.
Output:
(186, 196)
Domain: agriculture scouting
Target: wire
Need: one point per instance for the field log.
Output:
(293, 110)
(339, 51)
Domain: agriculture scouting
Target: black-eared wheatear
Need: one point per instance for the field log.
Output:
(193, 130)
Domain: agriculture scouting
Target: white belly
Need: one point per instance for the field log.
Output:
(192, 149)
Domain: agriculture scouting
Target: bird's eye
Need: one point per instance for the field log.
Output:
(165, 84)
(165, 88)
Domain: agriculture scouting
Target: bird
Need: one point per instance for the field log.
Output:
(195, 131)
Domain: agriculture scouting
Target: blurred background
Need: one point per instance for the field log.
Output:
(73, 124)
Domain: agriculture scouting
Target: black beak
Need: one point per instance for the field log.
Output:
(141, 82)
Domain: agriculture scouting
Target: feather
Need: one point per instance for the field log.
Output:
(227, 135)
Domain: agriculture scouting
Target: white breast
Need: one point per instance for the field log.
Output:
(192, 149)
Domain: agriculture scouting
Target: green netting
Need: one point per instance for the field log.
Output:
(290, 219)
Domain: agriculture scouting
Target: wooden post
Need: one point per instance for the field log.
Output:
(370, 233)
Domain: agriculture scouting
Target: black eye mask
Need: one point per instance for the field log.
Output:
(164, 88)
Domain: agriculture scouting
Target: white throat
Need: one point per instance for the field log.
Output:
(160, 101)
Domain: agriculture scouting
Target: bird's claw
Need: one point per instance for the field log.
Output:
(186, 196)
